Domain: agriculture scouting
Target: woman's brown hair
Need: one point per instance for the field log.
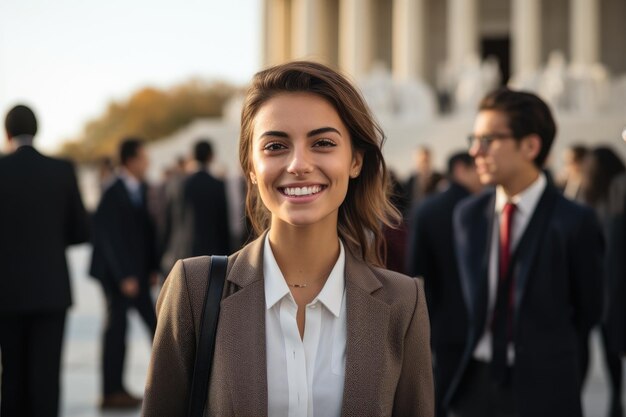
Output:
(366, 207)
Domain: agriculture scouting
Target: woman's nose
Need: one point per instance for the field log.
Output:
(300, 162)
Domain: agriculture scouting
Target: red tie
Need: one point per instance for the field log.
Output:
(505, 238)
(502, 320)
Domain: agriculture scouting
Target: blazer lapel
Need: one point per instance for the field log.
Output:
(242, 333)
(524, 254)
(368, 320)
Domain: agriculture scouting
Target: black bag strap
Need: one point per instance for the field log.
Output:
(208, 332)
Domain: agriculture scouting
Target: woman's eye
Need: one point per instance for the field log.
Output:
(273, 146)
(323, 143)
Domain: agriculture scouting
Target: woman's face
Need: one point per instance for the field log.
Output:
(302, 159)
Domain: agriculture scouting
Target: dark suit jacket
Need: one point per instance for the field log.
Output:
(431, 255)
(207, 215)
(558, 267)
(611, 214)
(41, 213)
(388, 364)
(124, 241)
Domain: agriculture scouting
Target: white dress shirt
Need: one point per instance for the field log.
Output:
(305, 377)
(133, 185)
(525, 203)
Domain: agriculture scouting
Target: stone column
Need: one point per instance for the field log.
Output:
(277, 31)
(584, 32)
(305, 28)
(355, 43)
(462, 31)
(408, 47)
(525, 38)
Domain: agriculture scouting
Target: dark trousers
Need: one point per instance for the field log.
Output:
(480, 396)
(446, 359)
(30, 345)
(114, 344)
(613, 362)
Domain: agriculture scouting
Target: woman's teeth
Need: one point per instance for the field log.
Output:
(302, 191)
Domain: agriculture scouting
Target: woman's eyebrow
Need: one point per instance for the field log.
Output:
(277, 133)
(322, 130)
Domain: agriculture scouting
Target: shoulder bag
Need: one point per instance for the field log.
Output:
(208, 333)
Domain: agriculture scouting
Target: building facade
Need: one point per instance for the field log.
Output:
(415, 39)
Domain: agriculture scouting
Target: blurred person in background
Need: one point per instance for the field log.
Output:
(424, 181)
(157, 206)
(601, 168)
(125, 262)
(174, 240)
(431, 255)
(205, 208)
(106, 173)
(396, 237)
(530, 263)
(40, 215)
(571, 177)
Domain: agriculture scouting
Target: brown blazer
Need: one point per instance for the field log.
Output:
(388, 363)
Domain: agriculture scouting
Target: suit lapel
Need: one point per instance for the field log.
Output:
(474, 248)
(524, 254)
(123, 194)
(367, 320)
(242, 333)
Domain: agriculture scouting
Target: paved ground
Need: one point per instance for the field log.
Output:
(81, 378)
(82, 350)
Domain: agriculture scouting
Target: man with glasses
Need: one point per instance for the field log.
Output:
(530, 264)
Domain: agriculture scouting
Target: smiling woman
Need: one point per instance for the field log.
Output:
(308, 314)
(301, 166)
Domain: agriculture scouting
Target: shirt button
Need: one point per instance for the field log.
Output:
(313, 306)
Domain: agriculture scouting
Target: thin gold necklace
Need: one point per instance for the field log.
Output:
(300, 285)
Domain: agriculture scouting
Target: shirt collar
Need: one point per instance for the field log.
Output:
(525, 201)
(276, 287)
(132, 183)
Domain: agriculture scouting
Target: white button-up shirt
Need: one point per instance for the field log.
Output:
(305, 377)
(525, 203)
(132, 185)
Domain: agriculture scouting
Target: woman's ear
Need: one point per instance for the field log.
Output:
(357, 164)
(253, 178)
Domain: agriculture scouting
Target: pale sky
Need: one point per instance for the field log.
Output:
(68, 59)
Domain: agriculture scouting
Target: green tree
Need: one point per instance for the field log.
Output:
(149, 113)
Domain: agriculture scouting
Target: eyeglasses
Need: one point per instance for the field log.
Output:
(484, 141)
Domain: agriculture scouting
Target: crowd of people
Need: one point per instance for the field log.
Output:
(514, 266)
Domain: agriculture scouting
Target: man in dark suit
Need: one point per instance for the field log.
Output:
(530, 263)
(430, 254)
(125, 262)
(41, 213)
(205, 207)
